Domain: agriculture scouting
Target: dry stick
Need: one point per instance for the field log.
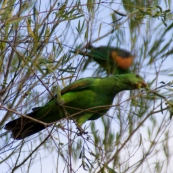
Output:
(17, 159)
(38, 79)
(30, 68)
(25, 116)
(31, 153)
(153, 144)
(140, 124)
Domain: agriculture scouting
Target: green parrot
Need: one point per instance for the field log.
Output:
(83, 100)
(112, 59)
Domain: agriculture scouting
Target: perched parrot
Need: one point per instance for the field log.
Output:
(112, 59)
(83, 100)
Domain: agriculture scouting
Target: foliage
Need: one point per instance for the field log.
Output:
(36, 38)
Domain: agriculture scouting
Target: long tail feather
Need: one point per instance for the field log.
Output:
(24, 127)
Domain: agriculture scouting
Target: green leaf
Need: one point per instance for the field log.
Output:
(30, 30)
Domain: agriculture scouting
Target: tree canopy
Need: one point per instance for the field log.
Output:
(37, 39)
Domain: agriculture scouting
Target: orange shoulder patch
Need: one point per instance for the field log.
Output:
(122, 62)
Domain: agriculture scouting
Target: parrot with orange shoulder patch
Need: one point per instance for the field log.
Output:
(113, 60)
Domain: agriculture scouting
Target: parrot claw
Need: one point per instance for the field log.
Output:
(81, 131)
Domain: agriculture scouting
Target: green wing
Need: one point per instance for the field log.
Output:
(78, 85)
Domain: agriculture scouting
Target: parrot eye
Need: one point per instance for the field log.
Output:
(137, 76)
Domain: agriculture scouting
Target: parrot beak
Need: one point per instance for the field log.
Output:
(142, 85)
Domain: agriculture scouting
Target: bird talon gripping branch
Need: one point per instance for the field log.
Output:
(81, 131)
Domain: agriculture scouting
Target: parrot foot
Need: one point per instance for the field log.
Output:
(81, 131)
